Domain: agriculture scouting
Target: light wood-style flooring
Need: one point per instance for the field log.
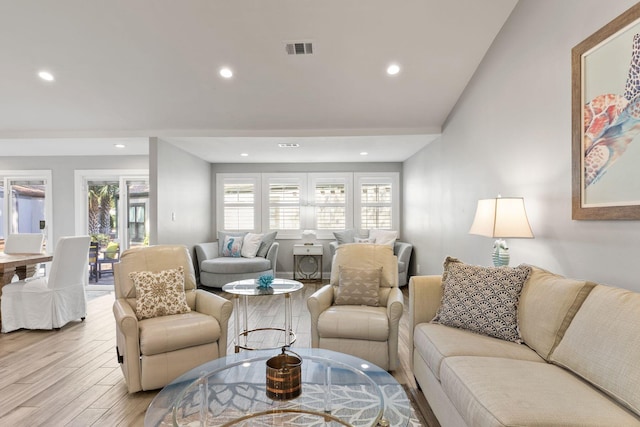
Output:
(71, 377)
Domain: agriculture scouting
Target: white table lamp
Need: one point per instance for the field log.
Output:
(502, 217)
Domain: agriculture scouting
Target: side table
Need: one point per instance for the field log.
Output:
(245, 289)
(307, 262)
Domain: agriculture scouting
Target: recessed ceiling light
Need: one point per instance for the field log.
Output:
(288, 145)
(226, 72)
(393, 69)
(45, 75)
(364, 153)
(119, 145)
(244, 154)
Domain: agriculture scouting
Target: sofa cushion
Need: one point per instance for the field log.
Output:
(548, 303)
(489, 391)
(159, 293)
(358, 286)
(355, 322)
(436, 342)
(482, 299)
(168, 333)
(602, 344)
(228, 265)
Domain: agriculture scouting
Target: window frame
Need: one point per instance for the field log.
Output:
(307, 183)
(253, 178)
(297, 178)
(393, 178)
(330, 177)
(21, 175)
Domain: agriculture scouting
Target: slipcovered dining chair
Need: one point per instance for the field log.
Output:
(164, 325)
(53, 301)
(359, 311)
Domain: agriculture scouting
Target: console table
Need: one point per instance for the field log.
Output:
(307, 262)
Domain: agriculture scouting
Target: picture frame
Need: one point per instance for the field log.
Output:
(605, 125)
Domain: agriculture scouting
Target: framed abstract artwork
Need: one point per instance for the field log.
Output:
(605, 90)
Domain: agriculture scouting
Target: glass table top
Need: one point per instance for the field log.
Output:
(337, 390)
(249, 287)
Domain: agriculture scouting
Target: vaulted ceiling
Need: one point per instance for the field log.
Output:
(133, 69)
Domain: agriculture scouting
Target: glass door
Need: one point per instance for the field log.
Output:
(136, 195)
(102, 211)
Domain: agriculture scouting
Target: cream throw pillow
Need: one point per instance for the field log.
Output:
(250, 245)
(602, 344)
(358, 286)
(383, 237)
(483, 300)
(159, 294)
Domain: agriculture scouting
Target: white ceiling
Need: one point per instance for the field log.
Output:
(131, 70)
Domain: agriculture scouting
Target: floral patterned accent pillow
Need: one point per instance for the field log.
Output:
(159, 294)
(358, 286)
(482, 299)
(232, 246)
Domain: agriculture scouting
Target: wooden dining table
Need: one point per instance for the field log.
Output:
(24, 265)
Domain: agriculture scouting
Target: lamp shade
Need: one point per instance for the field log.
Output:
(502, 217)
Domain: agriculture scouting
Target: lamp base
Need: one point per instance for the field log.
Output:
(500, 254)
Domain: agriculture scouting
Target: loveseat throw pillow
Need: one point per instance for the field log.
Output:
(232, 246)
(482, 299)
(358, 286)
(250, 245)
(159, 294)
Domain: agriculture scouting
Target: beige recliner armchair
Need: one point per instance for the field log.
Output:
(364, 331)
(155, 351)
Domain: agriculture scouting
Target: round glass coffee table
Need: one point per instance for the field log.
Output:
(337, 390)
(247, 288)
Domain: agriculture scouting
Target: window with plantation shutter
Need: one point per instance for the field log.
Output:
(322, 201)
(284, 206)
(285, 198)
(239, 209)
(377, 201)
(331, 202)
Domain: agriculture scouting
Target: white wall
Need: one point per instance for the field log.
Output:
(181, 188)
(510, 133)
(63, 168)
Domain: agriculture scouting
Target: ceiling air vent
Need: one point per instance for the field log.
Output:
(299, 48)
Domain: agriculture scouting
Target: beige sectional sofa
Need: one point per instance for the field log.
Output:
(579, 364)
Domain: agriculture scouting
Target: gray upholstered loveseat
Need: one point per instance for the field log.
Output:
(579, 364)
(216, 270)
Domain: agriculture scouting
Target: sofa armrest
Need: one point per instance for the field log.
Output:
(403, 251)
(205, 251)
(218, 308)
(272, 256)
(317, 303)
(425, 295)
(333, 246)
(128, 342)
